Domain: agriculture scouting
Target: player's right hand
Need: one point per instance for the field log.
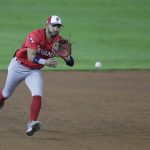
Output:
(51, 62)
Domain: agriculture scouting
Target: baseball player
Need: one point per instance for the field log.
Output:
(35, 53)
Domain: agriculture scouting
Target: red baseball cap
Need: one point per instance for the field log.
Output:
(54, 20)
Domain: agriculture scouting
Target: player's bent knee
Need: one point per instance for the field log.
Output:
(6, 94)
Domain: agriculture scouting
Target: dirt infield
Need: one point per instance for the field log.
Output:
(82, 111)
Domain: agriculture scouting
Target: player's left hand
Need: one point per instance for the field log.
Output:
(62, 48)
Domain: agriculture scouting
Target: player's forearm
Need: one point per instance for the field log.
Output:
(31, 53)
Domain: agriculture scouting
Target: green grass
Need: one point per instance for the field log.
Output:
(115, 32)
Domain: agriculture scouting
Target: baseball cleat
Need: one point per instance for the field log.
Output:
(1, 105)
(33, 126)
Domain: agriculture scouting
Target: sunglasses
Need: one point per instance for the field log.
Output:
(56, 25)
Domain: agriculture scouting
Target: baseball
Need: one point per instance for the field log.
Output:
(98, 64)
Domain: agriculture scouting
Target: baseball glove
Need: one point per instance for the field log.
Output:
(62, 48)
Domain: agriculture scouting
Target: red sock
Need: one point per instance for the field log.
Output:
(35, 107)
(2, 98)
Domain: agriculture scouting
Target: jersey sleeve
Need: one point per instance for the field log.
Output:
(33, 40)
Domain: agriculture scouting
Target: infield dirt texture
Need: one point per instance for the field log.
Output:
(82, 111)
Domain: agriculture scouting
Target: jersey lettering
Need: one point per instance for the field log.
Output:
(45, 53)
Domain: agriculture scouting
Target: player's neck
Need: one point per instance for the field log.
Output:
(49, 38)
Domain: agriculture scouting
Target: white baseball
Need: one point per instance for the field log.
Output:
(98, 64)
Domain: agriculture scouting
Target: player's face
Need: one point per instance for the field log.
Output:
(53, 30)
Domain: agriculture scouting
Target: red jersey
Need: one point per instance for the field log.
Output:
(36, 40)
